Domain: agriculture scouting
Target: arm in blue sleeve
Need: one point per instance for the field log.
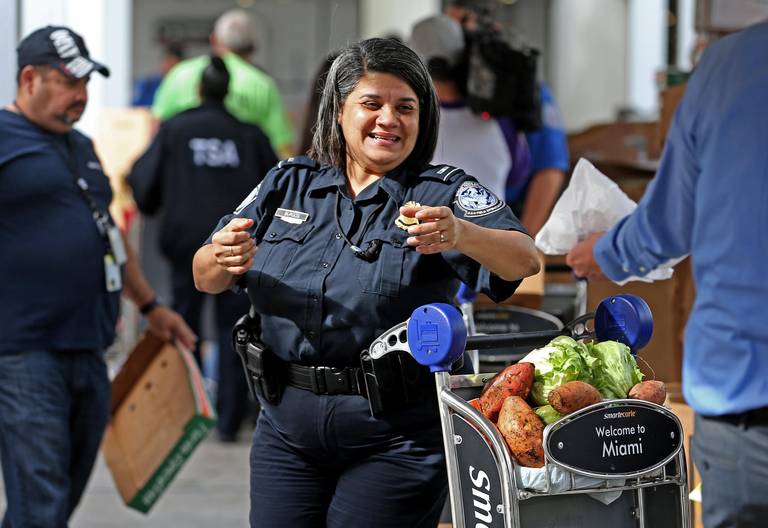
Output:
(660, 228)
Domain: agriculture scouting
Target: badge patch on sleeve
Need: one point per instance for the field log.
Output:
(248, 199)
(475, 200)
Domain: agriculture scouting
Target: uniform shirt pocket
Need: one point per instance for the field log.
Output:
(384, 275)
(277, 249)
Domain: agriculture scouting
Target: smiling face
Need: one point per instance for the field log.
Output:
(380, 124)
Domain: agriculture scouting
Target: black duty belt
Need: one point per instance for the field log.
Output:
(326, 380)
(752, 417)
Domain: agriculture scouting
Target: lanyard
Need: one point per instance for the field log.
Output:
(103, 222)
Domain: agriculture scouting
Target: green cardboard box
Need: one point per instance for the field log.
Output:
(160, 413)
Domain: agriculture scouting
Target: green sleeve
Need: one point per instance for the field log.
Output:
(276, 124)
(178, 90)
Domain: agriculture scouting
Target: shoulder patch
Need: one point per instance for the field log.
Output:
(298, 161)
(475, 200)
(444, 173)
(248, 199)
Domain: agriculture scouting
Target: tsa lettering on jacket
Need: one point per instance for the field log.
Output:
(214, 152)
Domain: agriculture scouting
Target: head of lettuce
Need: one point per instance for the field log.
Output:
(608, 366)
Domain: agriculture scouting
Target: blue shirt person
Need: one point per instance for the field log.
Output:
(708, 200)
(533, 197)
(347, 244)
(63, 268)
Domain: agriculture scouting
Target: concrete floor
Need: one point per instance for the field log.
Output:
(211, 490)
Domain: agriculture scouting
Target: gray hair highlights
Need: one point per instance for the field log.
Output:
(234, 30)
(382, 56)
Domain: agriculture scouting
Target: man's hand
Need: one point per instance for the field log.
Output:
(582, 259)
(169, 326)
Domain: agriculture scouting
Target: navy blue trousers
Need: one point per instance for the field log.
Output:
(232, 404)
(323, 461)
(732, 460)
(54, 406)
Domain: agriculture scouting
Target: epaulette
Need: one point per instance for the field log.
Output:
(298, 161)
(444, 173)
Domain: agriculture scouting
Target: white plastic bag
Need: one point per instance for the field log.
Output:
(591, 203)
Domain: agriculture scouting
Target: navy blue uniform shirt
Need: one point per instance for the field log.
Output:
(52, 286)
(319, 303)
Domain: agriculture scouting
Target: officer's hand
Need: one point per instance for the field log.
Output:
(582, 260)
(438, 230)
(169, 325)
(233, 246)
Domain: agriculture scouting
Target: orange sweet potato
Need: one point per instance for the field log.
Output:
(652, 390)
(515, 380)
(476, 404)
(572, 396)
(523, 432)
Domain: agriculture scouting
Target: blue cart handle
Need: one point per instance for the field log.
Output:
(437, 335)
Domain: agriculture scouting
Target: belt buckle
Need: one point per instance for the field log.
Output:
(336, 380)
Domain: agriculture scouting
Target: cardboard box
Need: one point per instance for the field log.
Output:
(529, 294)
(121, 136)
(160, 413)
(685, 414)
(670, 302)
(669, 99)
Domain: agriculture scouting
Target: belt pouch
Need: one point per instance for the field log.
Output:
(395, 381)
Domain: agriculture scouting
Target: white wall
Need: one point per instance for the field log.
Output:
(8, 41)
(106, 27)
(588, 53)
(686, 34)
(396, 17)
(646, 54)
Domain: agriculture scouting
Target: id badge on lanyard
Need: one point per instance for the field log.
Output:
(117, 244)
(117, 254)
(112, 275)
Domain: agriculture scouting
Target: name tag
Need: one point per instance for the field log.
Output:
(292, 217)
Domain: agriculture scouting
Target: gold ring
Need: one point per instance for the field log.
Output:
(442, 237)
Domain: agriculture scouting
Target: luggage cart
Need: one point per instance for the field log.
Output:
(619, 463)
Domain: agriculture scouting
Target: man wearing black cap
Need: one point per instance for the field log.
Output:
(63, 268)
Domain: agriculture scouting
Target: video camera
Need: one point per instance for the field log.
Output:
(501, 78)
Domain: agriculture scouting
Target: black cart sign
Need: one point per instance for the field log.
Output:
(615, 439)
(479, 478)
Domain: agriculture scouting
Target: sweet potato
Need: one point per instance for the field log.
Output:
(652, 390)
(476, 404)
(572, 396)
(515, 380)
(523, 432)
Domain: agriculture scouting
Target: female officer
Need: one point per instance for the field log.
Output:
(347, 245)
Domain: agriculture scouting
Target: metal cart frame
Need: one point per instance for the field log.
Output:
(641, 455)
(451, 405)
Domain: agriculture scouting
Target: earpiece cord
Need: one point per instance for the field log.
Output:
(372, 251)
